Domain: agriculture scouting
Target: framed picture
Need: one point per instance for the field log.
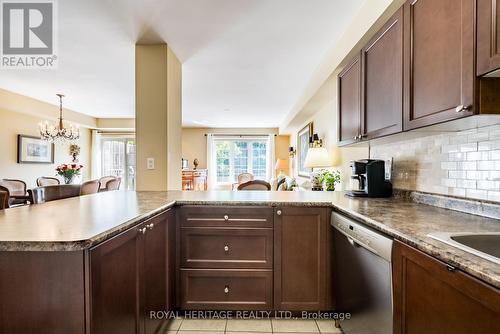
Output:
(303, 140)
(34, 150)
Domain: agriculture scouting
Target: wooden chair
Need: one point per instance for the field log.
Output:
(41, 195)
(243, 178)
(103, 181)
(47, 181)
(255, 185)
(113, 184)
(90, 187)
(4, 198)
(17, 191)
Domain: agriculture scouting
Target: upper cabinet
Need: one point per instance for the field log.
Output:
(439, 68)
(349, 103)
(488, 36)
(382, 84)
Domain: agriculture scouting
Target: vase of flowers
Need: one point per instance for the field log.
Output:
(68, 172)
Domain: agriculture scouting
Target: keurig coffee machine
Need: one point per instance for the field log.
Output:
(371, 179)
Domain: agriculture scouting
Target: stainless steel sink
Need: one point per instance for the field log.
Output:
(485, 245)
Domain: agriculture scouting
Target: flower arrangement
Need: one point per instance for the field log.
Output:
(329, 179)
(74, 151)
(68, 172)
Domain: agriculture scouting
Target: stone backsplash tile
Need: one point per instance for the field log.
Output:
(465, 163)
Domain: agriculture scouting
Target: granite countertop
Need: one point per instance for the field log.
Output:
(81, 222)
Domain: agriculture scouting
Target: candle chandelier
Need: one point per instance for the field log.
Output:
(58, 133)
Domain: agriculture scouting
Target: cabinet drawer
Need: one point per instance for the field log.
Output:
(226, 216)
(226, 248)
(226, 289)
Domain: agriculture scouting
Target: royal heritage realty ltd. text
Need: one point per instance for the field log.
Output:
(248, 315)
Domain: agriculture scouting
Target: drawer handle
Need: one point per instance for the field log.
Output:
(226, 217)
(142, 230)
(150, 226)
(226, 248)
(462, 108)
(226, 289)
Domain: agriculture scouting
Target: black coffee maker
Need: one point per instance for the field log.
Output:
(370, 174)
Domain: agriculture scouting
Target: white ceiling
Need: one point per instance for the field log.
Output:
(245, 62)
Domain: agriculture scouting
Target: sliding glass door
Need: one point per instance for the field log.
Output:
(119, 159)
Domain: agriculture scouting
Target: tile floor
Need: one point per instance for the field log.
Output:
(237, 326)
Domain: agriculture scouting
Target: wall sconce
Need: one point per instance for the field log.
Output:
(315, 141)
(292, 152)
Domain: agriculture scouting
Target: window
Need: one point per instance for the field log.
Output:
(241, 155)
(118, 159)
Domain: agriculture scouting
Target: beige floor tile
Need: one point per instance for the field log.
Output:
(328, 326)
(174, 324)
(203, 325)
(200, 332)
(250, 325)
(294, 326)
(248, 332)
(170, 332)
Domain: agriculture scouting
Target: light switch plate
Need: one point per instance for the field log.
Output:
(388, 169)
(151, 163)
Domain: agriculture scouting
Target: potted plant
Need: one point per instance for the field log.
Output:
(329, 179)
(68, 172)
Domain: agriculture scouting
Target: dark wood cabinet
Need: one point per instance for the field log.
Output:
(159, 268)
(433, 298)
(302, 259)
(349, 103)
(382, 83)
(439, 61)
(130, 275)
(488, 36)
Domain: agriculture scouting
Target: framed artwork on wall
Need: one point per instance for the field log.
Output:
(33, 150)
(303, 140)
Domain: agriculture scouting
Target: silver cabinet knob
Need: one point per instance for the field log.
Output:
(150, 226)
(226, 248)
(226, 217)
(226, 289)
(462, 108)
(278, 212)
(142, 230)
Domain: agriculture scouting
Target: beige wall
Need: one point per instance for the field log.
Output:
(323, 110)
(194, 142)
(15, 123)
(158, 117)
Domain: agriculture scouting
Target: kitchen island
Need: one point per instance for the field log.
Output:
(81, 265)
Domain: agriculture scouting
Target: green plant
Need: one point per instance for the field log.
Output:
(329, 179)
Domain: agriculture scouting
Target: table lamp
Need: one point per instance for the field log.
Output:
(317, 157)
(281, 164)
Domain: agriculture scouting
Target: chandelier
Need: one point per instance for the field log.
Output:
(58, 133)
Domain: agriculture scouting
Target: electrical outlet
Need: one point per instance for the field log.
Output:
(151, 163)
(388, 169)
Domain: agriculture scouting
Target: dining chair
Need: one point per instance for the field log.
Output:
(44, 194)
(47, 181)
(103, 181)
(255, 185)
(17, 191)
(4, 198)
(89, 187)
(113, 184)
(243, 178)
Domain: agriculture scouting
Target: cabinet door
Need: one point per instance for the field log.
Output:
(159, 268)
(439, 61)
(302, 253)
(115, 267)
(382, 84)
(488, 36)
(431, 297)
(349, 102)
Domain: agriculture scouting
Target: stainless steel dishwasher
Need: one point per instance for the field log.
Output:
(362, 277)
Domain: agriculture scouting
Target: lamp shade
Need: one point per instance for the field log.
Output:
(317, 157)
(281, 164)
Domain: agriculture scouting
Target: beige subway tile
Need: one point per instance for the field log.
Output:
(468, 147)
(457, 174)
(494, 196)
(467, 165)
(477, 194)
(470, 184)
(488, 185)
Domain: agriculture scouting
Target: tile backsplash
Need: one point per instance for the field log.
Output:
(465, 163)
